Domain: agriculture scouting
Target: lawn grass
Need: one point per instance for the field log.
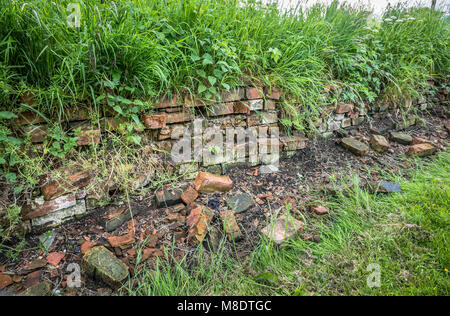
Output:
(405, 234)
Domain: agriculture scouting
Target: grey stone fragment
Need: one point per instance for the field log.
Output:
(240, 203)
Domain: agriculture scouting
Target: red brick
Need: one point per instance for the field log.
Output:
(47, 207)
(241, 107)
(230, 225)
(87, 245)
(344, 108)
(55, 258)
(421, 150)
(254, 93)
(209, 183)
(221, 109)
(189, 195)
(273, 93)
(154, 121)
(320, 210)
(88, 137)
(122, 241)
(5, 280)
(70, 181)
(198, 221)
(179, 117)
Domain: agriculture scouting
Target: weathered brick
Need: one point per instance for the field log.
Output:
(77, 114)
(167, 102)
(401, 138)
(101, 264)
(198, 222)
(41, 207)
(235, 94)
(293, 143)
(179, 117)
(154, 121)
(189, 195)
(88, 137)
(269, 105)
(269, 118)
(273, 93)
(166, 197)
(193, 102)
(230, 225)
(70, 181)
(59, 217)
(254, 93)
(379, 143)
(37, 133)
(210, 183)
(354, 146)
(344, 108)
(283, 229)
(255, 105)
(221, 109)
(28, 117)
(421, 150)
(241, 107)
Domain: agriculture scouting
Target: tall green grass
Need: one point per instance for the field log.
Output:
(155, 47)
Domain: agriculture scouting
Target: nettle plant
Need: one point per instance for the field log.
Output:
(119, 97)
(217, 66)
(59, 143)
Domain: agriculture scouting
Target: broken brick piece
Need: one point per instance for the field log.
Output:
(87, 245)
(122, 241)
(209, 183)
(166, 197)
(154, 121)
(42, 207)
(198, 221)
(5, 280)
(69, 182)
(421, 150)
(283, 229)
(189, 196)
(54, 258)
(344, 108)
(379, 143)
(320, 210)
(230, 225)
(88, 137)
